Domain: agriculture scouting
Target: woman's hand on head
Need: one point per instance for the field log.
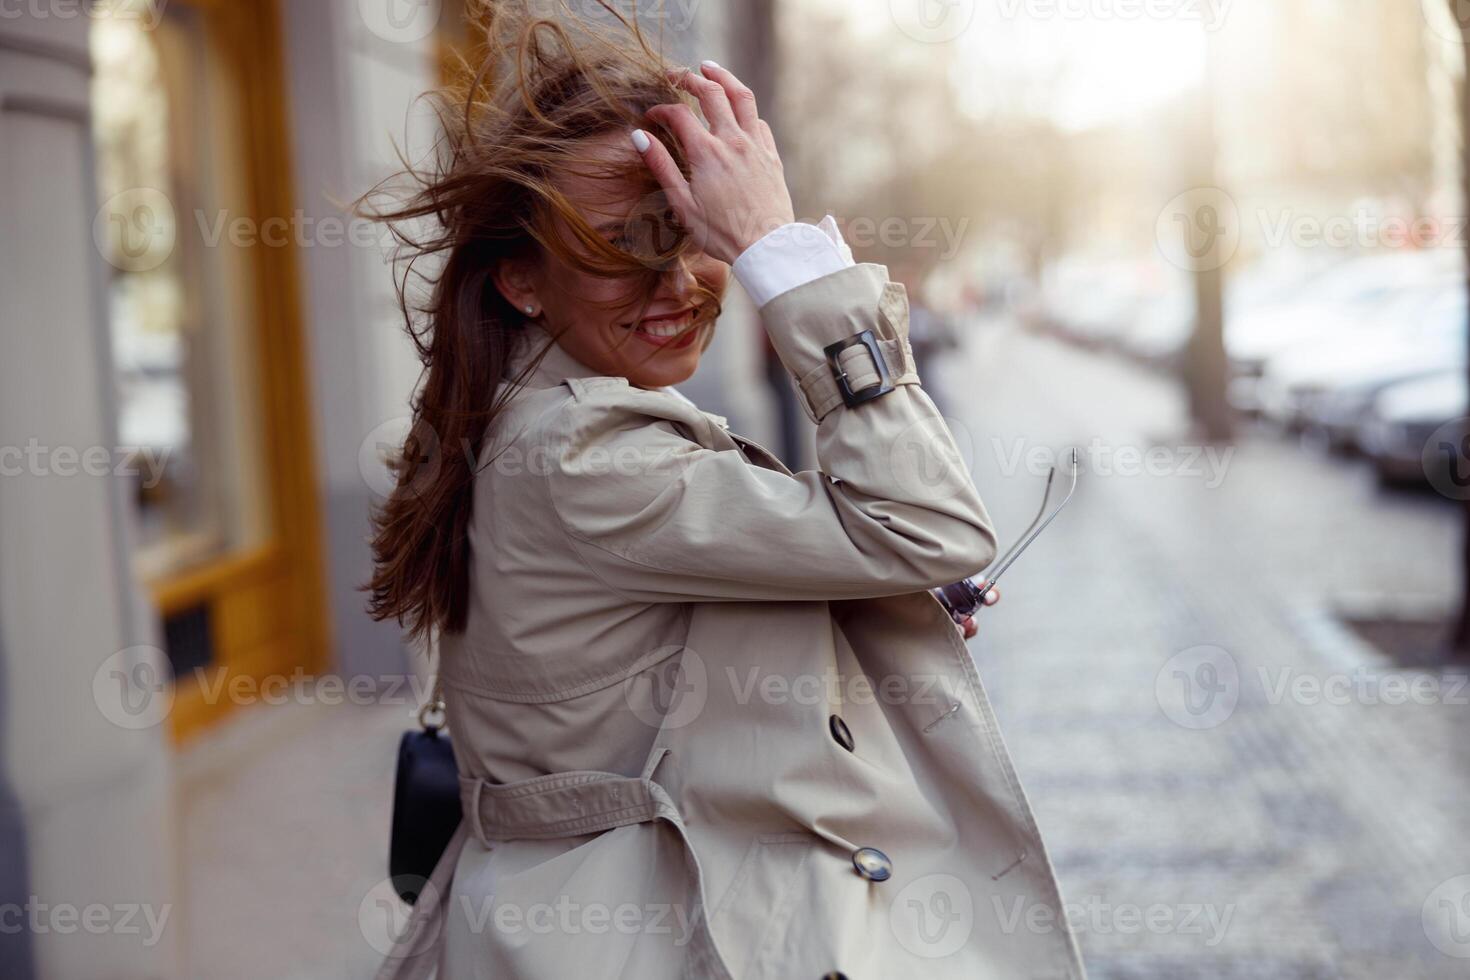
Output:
(736, 191)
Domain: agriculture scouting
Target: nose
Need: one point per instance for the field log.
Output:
(678, 281)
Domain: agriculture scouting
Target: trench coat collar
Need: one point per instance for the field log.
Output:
(557, 366)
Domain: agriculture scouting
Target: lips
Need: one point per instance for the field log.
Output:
(667, 329)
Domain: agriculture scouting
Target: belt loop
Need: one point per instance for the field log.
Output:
(474, 815)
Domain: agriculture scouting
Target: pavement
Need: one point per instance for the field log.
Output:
(1230, 783)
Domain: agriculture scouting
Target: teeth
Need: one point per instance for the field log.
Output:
(666, 328)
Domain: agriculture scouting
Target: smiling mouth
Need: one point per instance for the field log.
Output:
(667, 329)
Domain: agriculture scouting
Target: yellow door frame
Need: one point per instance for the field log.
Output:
(268, 604)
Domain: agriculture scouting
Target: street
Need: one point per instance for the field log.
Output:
(1297, 832)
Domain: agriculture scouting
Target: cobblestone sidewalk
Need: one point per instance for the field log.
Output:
(1225, 782)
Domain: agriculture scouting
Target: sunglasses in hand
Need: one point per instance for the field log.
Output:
(963, 599)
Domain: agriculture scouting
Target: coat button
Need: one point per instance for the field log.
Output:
(840, 732)
(872, 864)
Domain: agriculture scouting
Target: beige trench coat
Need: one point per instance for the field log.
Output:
(709, 722)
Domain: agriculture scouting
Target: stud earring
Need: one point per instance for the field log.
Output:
(531, 310)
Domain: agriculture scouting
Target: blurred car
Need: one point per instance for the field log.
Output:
(1326, 384)
(1403, 417)
(1093, 303)
(1162, 328)
(1162, 331)
(1332, 307)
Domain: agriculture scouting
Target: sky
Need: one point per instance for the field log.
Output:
(1083, 63)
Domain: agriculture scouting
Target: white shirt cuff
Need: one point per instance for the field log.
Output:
(791, 256)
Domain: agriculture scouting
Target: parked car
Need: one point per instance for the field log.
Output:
(1162, 329)
(1095, 303)
(1403, 417)
(1332, 307)
(1164, 326)
(1326, 383)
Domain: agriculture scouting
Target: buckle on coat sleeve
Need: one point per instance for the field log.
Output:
(850, 397)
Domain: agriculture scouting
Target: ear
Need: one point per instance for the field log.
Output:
(515, 278)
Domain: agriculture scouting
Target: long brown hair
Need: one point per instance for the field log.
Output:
(517, 116)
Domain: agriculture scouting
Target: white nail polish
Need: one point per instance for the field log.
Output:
(641, 142)
(710, 64)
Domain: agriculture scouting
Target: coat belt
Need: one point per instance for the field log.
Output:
(564, 804)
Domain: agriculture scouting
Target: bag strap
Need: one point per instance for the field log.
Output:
(433, 707)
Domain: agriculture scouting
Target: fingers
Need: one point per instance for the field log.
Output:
(968, 628)
(712, 99)
(767, 138)
(661, 164)
(741, 99)
(685, 125)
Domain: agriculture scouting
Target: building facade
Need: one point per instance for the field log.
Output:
(203, 366)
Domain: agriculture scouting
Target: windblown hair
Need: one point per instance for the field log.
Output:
(513, 120)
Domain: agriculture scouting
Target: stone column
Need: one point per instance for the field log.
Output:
(86, 838)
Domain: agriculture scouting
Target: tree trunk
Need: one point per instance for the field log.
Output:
(1461, 636)
(1207, 371)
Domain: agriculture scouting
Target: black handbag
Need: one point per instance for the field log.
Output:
(426, 807)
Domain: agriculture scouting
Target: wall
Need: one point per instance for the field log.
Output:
(351, 85)
(84, 799)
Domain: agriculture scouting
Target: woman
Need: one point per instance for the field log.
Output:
(708, 719)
